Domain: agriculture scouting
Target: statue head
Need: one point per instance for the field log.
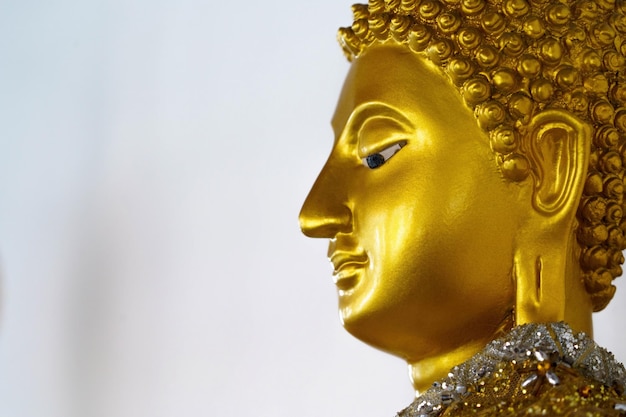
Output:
(476, 180)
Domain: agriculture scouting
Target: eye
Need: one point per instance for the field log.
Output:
(375, 160)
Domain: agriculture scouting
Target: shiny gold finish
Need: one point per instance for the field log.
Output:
(476, 179)
(511, 60)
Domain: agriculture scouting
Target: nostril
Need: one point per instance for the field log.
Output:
(325, 224)
(321, 227)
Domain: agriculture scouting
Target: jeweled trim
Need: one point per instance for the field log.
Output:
(555, 342)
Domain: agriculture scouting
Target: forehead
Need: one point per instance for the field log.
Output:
(392, 75)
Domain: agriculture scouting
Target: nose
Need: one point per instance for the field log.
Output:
(326, 210)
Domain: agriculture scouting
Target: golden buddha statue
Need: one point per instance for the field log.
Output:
(474, 199)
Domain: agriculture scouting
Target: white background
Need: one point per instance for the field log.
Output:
(153, 159)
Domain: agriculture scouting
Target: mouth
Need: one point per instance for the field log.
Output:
(346, 267)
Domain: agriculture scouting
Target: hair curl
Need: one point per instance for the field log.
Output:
(511, 59)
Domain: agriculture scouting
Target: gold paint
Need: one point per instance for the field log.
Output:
(476, 178)
(541, 90)
(468, 38)
(448, 22)
(558, 14)
(529, 66)
(429, 9)
(504, 79)
(515, 8)
(410, 234)
(534, 27)
(472, 7)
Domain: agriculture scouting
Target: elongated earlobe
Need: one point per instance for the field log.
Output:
(538, 298)
(557, 144)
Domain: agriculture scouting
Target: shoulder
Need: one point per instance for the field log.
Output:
(528, 391)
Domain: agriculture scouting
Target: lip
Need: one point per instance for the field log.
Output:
(346, 267)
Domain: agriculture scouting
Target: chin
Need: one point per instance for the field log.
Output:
(373, 329)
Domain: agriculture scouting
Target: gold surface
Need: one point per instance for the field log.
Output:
(473, 174)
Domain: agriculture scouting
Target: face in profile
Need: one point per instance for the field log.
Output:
(420, 222)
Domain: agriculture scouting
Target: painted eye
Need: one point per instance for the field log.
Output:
(375, 160)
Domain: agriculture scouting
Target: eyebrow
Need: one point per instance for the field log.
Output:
(368, 110)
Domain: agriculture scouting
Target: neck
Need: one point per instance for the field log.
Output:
(426, 371)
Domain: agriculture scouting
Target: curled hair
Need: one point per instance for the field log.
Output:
(511, 59)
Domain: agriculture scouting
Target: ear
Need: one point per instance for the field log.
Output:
(559, 147)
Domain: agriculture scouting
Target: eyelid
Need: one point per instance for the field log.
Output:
(391, 150)
(379, 132)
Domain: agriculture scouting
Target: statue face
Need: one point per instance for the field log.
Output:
(422, 225)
